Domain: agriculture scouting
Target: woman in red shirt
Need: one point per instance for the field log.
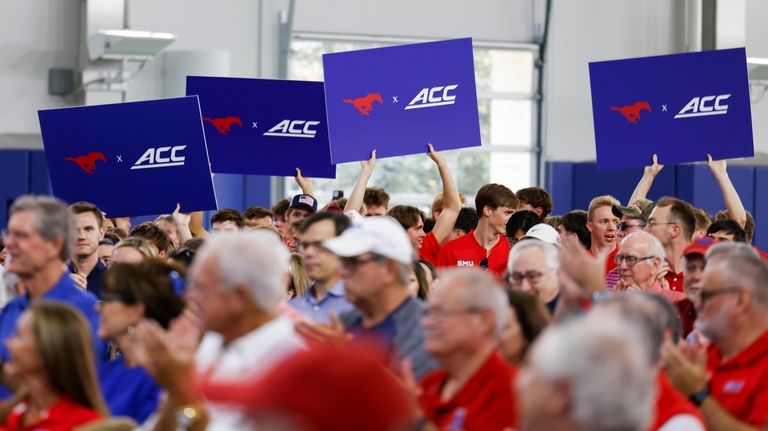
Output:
(52, 360)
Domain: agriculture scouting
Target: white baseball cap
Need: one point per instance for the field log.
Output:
(380, 235)
(543, 232)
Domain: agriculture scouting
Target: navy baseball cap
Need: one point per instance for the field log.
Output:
(304, 202)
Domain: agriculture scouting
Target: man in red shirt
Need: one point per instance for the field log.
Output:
(602, 223)
(485, 247)
(732, 388)
(473, 390)
(672, 221)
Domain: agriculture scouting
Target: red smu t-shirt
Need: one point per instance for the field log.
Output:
(740, 384)
(485, 403)
(465, 251)
(62, 416)
(670, 403)
(429, 249)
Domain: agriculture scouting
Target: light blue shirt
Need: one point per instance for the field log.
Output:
(320, 311)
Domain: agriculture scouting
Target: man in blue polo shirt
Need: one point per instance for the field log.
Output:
(326, 293)
(38, 239)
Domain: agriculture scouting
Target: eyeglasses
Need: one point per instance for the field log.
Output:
(622, 226)
(437, 313)
(305, 245)
(533, 277)
(706, 295)
(484, 263)
(352, 263)
(631, 260)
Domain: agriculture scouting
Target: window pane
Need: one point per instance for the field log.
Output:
(472, 172)
(510, 122)
(511, 169)
(503, 71)
(511, 71)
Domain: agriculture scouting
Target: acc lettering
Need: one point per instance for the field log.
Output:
(161, 157)
(435, 96)
(294, 129)
(704, 106)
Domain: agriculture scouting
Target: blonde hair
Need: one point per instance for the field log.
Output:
(65, 347)
(140, 244)
(601, 201)
(299, 277)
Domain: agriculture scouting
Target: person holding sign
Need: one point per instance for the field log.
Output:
(485, 247)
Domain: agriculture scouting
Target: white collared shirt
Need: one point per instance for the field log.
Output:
(244, 358)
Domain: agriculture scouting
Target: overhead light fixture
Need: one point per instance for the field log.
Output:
(127, 44)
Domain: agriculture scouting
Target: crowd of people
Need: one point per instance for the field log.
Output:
(359, 315)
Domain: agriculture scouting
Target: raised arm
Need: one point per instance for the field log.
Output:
(731, 197)
(649, 174)
(355, 201)
(196, 225)
(304, 183)
(181, 220)
(451, 200)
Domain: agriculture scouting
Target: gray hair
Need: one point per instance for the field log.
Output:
(651, 312)
(54, 219)
(481, 291)
(652, 244)
(255, 260)
(749, 270)
(604, 360)
(551, 254)
(723, 250)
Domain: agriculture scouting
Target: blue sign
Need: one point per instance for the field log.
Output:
(396, 100)
(130, 159)
(264, 126)
(681, 107)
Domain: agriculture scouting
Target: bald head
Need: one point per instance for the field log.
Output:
(643, 243)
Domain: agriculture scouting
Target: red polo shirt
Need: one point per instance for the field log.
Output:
(675, 281)
(485, 403)
(465, 251)
(429, 249)
(671, 403)
(740, 384)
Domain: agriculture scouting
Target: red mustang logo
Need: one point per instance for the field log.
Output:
(87, 162)
(632, 112)
(224, 125)
(365, 104)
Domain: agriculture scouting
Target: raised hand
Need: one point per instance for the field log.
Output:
(180, 218)
(369, 164)
(654, 168)
(435, 155)
(304, 183)
(718, 167)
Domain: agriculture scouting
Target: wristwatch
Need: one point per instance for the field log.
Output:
(187, 416)
(699, 397)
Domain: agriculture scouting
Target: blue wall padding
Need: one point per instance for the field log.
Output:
(14, 165)
(697, 185)
(761, 207)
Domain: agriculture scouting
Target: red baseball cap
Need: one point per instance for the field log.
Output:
(700, 246)
(327, 388)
